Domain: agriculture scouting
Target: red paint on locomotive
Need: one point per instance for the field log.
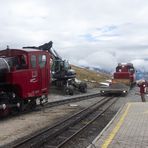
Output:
(26, 78)
(125, 71)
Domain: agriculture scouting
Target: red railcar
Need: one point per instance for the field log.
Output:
(123, 79)
(125, 71)
(24, 77)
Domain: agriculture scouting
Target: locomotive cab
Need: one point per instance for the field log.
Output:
(126, 73)
(24, 77)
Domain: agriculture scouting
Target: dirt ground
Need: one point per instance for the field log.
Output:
(19, 126)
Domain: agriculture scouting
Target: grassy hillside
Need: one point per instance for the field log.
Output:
(91, 77)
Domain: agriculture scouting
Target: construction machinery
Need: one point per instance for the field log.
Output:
(61, 73)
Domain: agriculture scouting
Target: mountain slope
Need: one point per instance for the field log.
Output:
(91, 77)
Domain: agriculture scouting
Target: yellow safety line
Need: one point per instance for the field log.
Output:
(115, 130)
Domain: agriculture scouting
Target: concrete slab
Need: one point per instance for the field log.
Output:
(129, 128)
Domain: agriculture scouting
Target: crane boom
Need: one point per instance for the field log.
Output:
(47, 47)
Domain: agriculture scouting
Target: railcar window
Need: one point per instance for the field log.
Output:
(12, 61)
(33, 61)
(23, 59)
(42, 61)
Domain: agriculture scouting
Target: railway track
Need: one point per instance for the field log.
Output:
(72, 99)
(64, 131)
(55, 103)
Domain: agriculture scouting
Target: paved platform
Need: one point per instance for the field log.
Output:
(128, 129)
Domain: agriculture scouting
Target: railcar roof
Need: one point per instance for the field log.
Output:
(23, 50)
(11, 52)
(26, 49)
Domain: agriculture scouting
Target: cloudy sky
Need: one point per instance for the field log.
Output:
(97, 33)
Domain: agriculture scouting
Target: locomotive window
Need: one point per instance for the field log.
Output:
(42, 61)
(33, 61)
(23, 60)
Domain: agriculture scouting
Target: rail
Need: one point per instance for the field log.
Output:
(41, 138)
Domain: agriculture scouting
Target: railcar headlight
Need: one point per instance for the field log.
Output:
(124, 91)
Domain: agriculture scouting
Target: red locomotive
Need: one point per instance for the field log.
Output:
(125, 72)
(123, 79)
(24, 77)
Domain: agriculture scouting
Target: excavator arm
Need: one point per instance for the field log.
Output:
(47, 47)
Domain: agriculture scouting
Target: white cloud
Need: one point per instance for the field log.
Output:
(94, 32)
(141, 64)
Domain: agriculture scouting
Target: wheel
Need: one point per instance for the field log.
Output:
(102, 93)
(32, 104)
(4, 112)
(4, 102)
(69, 90)
(83, 88)
(23, 105)
(15, 101)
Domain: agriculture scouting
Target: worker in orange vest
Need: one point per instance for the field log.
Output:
(142, 87)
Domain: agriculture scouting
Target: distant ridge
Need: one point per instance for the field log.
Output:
(97, 69)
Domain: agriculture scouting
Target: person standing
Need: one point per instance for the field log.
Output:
(142, 84)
